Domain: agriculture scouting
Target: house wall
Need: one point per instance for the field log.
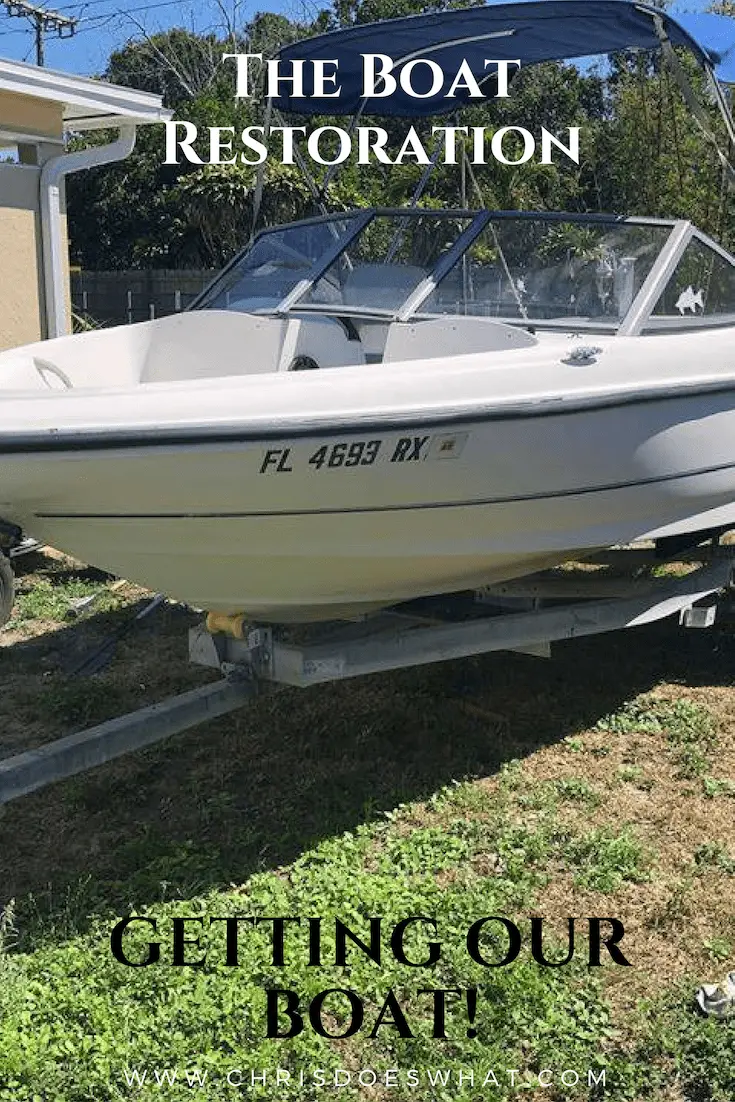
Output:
(21, 280)
(36, 126)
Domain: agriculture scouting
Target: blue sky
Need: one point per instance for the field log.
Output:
(105, 25)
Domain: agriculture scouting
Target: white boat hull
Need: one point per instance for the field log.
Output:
(390, 488)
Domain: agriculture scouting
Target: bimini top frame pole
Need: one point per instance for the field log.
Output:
(697, 109)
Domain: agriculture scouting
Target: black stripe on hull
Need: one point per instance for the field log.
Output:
(111, 440)
(414, 506)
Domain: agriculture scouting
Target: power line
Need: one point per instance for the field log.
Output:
(102, 18)
(84, 4)
(96, 22)
(81, 4)
(42, 20)
(122, 12)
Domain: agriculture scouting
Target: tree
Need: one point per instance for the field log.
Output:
(641, 151)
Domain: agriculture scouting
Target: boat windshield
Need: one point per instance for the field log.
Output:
(528, 268)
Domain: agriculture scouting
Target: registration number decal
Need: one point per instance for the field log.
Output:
(345, 454)
(361, 453)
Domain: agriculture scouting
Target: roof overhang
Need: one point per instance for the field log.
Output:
(86, 104)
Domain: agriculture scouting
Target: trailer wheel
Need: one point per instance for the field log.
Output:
(7, 589)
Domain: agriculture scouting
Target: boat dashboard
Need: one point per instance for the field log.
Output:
(603, 273)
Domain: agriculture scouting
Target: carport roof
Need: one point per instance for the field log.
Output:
(87, 104)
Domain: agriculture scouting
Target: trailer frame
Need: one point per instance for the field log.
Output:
(526, 615)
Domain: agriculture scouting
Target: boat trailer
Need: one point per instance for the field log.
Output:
(526, 616)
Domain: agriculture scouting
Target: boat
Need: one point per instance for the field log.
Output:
(379, 405)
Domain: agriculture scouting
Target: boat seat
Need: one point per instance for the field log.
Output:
(214, 343)
(209, 344)
(437, 337)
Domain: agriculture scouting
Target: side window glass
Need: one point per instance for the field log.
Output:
(702, 286)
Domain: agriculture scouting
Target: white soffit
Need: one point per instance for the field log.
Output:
(87, 104)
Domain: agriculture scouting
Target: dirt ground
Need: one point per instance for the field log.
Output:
(252, 790)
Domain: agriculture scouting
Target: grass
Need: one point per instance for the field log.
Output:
(687, 725)
(714, 855)
(715, 787)
(603, 859)
(502, 786)
(66, 990)
(720, 948)
(55, 600)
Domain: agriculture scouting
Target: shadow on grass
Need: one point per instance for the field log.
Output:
(253, 790)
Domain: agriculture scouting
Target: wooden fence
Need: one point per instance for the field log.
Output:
(120, 298)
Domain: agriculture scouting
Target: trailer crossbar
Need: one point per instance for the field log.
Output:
(387, 642)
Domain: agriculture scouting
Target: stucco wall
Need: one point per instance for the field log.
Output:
(37, 122)
(22, 316)
(21, 303)
(29, 116)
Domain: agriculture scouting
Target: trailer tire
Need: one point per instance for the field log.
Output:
(7, 589)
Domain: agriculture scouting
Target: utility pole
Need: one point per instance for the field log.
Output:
(42, 20)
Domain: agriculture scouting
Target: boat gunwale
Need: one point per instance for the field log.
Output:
(157, 436)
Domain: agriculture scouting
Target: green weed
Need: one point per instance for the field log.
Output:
(603, 859)
(688, 727)
(713, 855)
(54, 601)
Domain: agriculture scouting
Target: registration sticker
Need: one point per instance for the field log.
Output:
(448, 446)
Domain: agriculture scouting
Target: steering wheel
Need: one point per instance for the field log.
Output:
(43, 366)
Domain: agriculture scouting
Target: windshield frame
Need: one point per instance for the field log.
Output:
(681, 234)
(650, 323)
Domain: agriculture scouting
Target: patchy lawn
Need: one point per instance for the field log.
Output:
(601, 783)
